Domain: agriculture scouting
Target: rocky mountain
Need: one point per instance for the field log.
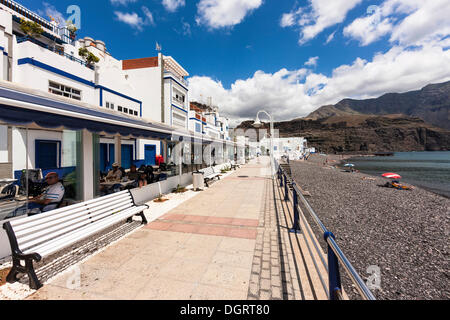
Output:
(431, 104)
(357, 133)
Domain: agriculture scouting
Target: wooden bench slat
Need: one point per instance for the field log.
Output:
(45, 234)
(51, 221)
(35, 237)
(30, 241)
(71, 238)
(18, 222)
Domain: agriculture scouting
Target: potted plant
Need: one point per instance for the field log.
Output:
(179, 189)
(30, 28)
(160, 198)
(88, 56)
(72, 30)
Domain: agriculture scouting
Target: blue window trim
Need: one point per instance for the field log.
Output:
(101, 97)
(77, 79)
(179, 108)
(195, 119)
(54, 70)
(173, 79)
(37, 152)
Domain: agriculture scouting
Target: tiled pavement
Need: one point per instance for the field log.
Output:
(228, 242)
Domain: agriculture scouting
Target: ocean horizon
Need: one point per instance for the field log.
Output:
(429, 170)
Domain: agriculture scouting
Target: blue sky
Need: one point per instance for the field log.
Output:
(251, 54)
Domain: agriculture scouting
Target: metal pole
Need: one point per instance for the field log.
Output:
(281, 177)
(286, 189)
(296, 226)
(334, 277)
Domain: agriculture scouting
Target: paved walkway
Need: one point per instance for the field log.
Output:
(228, 242)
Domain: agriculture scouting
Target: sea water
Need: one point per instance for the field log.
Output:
(429, 170)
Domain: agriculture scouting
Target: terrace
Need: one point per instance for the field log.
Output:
(55, 49)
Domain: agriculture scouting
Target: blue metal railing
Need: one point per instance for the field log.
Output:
(60, 52)
(27, 13)
(335, 255)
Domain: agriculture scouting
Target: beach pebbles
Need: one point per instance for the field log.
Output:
(403, 233)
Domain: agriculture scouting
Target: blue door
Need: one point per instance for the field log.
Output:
(103, 157)
(112, 156)
(47, 154)
(127, 155)
(150, 154)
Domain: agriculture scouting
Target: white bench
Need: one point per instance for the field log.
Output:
(209, 174)
(234, 165)
(34, 237)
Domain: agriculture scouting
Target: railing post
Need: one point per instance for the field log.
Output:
(334, 277)
(296, 226)
(286, 189)
(281, 177)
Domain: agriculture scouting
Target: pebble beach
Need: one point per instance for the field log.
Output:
(404, 233)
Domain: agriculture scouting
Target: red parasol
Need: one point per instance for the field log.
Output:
(391, 175)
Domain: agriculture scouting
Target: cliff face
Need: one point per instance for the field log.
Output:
(365, 134)
(431, 104)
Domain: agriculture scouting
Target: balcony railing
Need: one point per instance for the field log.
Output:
(27, 13)
(53, 49)
(183, 81)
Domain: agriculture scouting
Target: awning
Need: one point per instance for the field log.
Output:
(20, 108)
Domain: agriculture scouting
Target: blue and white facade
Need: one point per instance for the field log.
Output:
(49, 76)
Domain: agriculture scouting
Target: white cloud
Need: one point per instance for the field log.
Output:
(318, 16)
(173, 5)
(408, 22)
(122, 2)
(330, 37)
(224, 13)
(292, 94)
(134, 20)
(312, 62)
(51, 12)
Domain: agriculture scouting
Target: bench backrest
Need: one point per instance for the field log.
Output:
(208, 171)
(35, 230)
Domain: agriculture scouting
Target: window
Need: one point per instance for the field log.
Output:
(63, 90)
(119, 108)
(47, 154)
(112, 106)
(178, 96)
(130, 111)
(178, 120)
(125, 110)
(107, 105)
(135, 113)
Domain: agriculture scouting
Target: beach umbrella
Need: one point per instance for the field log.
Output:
(391, 175)
(349, 165)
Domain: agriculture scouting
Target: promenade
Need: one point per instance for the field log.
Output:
(228, 242)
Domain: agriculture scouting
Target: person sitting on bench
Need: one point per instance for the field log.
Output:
(48, 200)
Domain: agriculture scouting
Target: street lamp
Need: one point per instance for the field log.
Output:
(258, 124)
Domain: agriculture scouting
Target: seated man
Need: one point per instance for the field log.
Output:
(48, 200)
(115, 174)
(133, 174)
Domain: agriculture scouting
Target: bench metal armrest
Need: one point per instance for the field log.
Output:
(30, 256)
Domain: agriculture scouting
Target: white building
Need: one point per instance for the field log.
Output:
(142, 103)
(293, 147)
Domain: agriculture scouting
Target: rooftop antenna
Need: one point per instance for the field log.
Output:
(158, 47)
